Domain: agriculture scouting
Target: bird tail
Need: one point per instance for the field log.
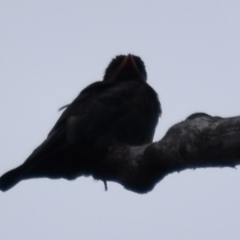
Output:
(11, 178)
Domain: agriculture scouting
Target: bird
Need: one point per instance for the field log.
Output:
(121, 109)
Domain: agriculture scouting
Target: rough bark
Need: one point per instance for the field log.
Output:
(198, 142)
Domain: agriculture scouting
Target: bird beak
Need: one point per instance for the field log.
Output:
(127, 70)
(128, 63)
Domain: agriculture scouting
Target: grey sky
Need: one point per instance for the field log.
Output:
(50, 50)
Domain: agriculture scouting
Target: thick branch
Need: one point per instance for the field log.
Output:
(199, 141)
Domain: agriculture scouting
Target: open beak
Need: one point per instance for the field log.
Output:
(128, 63)
(128, 69)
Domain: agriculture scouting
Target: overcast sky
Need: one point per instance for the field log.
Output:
(50, 50)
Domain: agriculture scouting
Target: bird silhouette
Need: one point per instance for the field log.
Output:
(120, 109)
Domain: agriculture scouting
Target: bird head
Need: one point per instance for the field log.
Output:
(123, 68)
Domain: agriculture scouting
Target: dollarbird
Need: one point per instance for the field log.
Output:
(120, 109)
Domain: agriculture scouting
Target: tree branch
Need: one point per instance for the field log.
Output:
(198, 142)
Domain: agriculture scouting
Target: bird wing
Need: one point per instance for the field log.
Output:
(101, 115)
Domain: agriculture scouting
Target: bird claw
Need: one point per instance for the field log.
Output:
(105, 185)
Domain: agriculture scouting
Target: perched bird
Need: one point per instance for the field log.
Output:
(121, 109)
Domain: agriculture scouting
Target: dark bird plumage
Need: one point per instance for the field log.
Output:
(121, 109)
